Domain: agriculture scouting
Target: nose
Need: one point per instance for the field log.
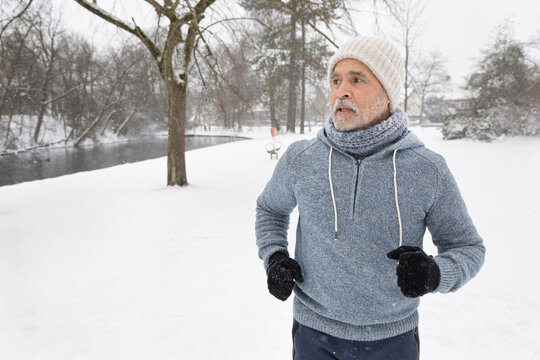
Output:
(344, 91)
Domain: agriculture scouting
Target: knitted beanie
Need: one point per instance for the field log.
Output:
(383, 59)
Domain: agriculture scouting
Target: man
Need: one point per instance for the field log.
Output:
(366, 189)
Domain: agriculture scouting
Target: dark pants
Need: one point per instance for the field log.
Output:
(310, 344)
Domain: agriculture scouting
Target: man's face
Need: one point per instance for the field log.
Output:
(357, 98)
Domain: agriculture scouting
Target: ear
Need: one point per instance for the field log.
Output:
(387, 99)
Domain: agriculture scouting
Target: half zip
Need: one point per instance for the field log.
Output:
(356, 184)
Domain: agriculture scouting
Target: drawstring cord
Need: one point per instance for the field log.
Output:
(334, 197)
(332, 192)
(396, 197)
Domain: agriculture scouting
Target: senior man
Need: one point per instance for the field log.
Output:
(366, 189)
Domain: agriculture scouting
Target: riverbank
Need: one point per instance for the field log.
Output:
(46, 161)
(113, 264)
(52, 162)
(54, 136)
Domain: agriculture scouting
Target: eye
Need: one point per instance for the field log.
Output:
(336, 81)
(357, 80)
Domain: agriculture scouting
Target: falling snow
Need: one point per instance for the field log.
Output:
(112, 264)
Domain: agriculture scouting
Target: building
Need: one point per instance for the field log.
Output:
(463, 106)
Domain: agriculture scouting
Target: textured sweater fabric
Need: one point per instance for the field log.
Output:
(362, 143)
(350, 287)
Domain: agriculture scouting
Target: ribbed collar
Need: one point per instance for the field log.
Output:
(363, 143)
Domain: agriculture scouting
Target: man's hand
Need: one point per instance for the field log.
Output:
(282, 271)
(417, 272)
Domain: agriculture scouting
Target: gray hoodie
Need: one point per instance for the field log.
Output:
(350, 218)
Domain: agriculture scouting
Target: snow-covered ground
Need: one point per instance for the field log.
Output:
(22, 129)
(53, 133)
(112, 264)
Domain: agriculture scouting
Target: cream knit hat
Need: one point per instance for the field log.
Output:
(382, 57)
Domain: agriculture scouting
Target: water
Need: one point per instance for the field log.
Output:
(46, 163)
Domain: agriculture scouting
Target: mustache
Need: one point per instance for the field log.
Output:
(345, 102)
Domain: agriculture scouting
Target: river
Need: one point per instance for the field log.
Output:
(52, 162)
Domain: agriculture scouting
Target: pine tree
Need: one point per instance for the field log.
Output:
(501, 88)
(503, 74)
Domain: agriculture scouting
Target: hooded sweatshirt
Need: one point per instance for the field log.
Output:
(351, 214)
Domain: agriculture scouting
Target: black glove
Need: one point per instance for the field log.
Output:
(417, 272)
(282, 271)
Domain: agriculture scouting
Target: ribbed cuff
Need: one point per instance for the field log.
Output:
(309, 318)
(269, 251)
(450, 274)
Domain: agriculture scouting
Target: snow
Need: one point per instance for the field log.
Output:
(178, 63)
(53, 133)
(22, 129)
(110, 15)
(113, 264)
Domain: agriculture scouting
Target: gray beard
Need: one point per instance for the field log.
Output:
(364, 116)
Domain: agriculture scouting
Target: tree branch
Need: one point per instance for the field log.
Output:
(47, 102)
(157, 6)
(234, 19)
(291, 10)
(234, 89)
(15, 17)
(132, 29)
(168, 10)
(199, 69)
(199, 9)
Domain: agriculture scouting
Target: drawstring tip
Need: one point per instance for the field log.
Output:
(335, 235)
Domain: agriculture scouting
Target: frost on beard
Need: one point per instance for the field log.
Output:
(178, 64)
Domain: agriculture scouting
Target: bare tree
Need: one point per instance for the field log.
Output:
(270, 62)
(78, 81)
(46, 71)
(48, 32)
(141, 90)
(431, 77)
(291, 108)
(19, 69)
(408, 15)
(173, 60)
(234, 89)
(11, 60)
(11, 11)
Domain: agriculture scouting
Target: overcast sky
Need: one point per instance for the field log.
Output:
(457, 28)
(461, 28)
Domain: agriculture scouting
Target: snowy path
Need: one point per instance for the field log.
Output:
(111, 264)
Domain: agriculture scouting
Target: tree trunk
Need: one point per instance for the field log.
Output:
(422, 120)
(8, 129)
(303, 104)
(45, 92)
(406, 70)
(11, 74)
(39, 122)
(107, 121)
(89, 128)
(176, 162)
(124, 123)
(291, 109)
(175, 75)
(273, 119)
